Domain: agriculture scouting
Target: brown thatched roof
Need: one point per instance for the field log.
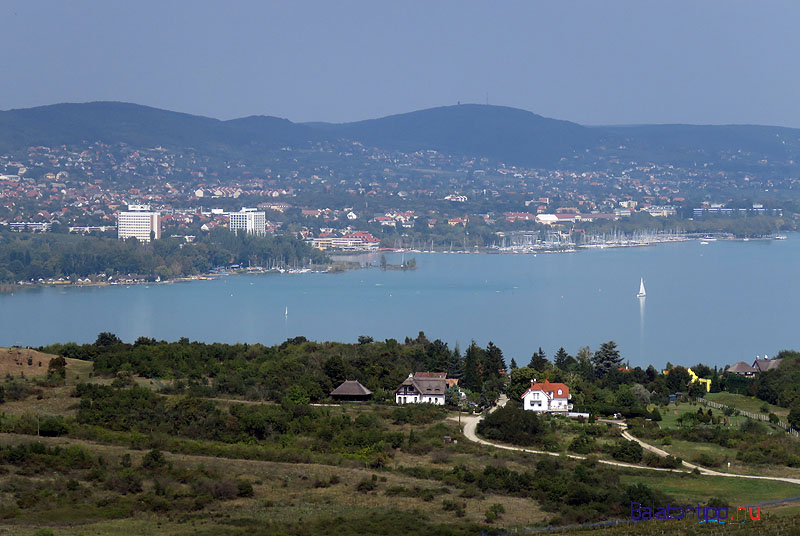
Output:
(351, 388)
(741, 368)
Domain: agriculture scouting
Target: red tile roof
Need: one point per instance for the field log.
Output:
(549, 388)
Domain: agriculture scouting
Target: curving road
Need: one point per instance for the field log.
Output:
(470, 424)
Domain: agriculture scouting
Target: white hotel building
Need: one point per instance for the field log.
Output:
(249, 220)
(139, 222)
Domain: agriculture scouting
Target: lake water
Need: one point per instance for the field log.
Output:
(716, 303)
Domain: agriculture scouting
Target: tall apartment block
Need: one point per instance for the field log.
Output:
(248, 220)
(138, 221)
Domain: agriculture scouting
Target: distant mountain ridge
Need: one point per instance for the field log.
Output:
(507, 134)
(135, 124)
(504, 134)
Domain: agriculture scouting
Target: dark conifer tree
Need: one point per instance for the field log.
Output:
(563, 360)
(606, 358)
(455, 368)
(472, 368)
(538, 360)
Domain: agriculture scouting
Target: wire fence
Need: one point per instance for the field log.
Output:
(750, 415)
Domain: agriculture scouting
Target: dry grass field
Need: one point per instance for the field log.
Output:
(23, 362)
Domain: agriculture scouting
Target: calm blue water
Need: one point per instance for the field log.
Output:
(717, 303)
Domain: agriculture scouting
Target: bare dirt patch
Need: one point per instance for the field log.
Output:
(23, 362)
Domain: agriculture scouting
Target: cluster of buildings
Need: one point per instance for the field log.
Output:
(761, 364)
(84, 187)
(431, 388)
(347, 241)
(145, 225)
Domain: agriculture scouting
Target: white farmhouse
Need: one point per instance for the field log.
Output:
(547, 397)
(422, 388)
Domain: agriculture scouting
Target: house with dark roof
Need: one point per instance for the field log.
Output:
(742, 369)
(422, 388)
(351, 390)
(762, 365)
(547, 397)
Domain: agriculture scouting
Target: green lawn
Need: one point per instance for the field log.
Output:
(690, 450)
(693, 488)
(672, 413)
(746, 403)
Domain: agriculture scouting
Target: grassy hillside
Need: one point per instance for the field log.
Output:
(114, 459)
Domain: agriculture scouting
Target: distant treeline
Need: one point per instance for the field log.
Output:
(305, 369)
(297, 367)
(741, 227)
(32, 256)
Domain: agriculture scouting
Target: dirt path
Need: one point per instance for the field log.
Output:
(471, 424)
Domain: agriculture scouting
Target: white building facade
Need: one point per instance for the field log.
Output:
(422, 388)
(139, 222)
(547, 398)
(249, 220)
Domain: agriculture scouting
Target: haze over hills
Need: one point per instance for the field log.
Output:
(113, 122)
(506, 134)
(500, 133)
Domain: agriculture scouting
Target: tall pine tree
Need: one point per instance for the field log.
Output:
(455, 369)
(606, 358)
(538, 360)
(494, 361)
(563, 360)
(472, 368)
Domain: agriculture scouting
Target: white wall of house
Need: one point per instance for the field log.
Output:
(403, 398)
(539, 401)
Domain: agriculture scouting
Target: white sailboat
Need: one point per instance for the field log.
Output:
(286, 313)
(642, 293)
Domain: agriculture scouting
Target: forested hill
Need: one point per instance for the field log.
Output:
(734, 146)
(506, 134)
(509, 135)
(143, 126)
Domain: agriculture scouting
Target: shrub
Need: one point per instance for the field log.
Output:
(514, 425)
(582, 444)
(52, 426)
(366, 485)
(494, 512)
(154, 459)
(460, 509)
(627, 451)
(124, 481)
(244, 488)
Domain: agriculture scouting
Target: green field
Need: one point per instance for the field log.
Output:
(746, 403)
(672, 413)
(695, 488)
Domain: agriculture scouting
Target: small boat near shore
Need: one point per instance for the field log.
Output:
(642, 292)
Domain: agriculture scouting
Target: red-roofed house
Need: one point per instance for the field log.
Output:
(547, 397)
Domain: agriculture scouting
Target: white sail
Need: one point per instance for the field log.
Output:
(287, 312)
(642, 293)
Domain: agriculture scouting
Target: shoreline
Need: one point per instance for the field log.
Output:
(335, 267)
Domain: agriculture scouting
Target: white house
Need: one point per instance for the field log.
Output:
(422, 388)
(547, 397)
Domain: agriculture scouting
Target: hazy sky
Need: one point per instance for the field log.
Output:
(594, 62)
